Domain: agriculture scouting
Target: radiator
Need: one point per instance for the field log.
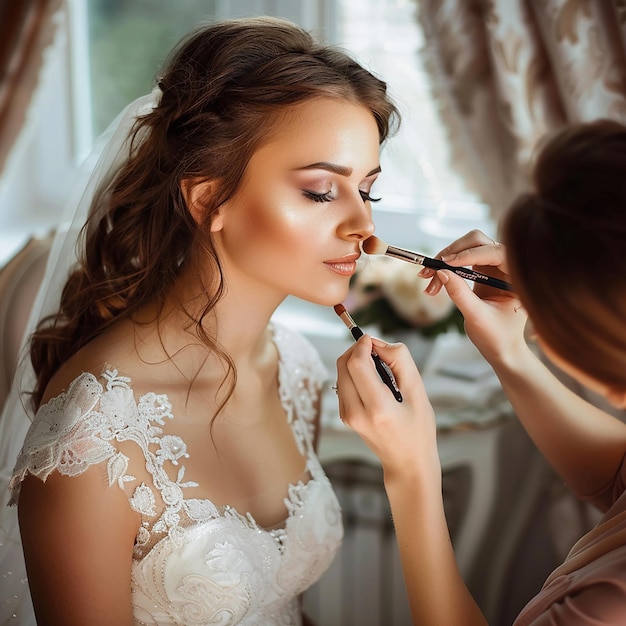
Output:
(364, 585)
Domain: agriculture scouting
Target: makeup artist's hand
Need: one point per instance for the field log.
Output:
(401, 434)
(494, 319)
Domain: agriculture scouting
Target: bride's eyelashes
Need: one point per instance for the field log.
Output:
(367, 198)
(319, 197)
(329, 196)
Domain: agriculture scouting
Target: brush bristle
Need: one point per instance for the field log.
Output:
(339, 309)
(373, 245)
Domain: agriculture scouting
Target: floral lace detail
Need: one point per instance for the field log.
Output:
(60, 438)
(297, 387)
(194, 562)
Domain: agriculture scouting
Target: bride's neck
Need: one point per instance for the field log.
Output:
(238, 323)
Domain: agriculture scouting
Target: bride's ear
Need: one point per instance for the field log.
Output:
(195, 194)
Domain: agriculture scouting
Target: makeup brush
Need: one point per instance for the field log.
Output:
(373, 245)
(384, 371)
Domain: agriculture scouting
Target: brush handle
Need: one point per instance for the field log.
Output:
(384, 371)
(468, 273)
(386, 375)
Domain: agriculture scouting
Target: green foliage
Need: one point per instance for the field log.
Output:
(129, 40)
(381, 314)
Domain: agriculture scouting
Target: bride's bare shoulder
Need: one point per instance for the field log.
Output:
(115, 348)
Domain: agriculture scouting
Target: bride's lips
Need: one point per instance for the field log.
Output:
(345, 266)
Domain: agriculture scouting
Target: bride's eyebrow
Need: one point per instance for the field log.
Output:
(342, 170)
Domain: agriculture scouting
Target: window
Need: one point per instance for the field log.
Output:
(418, 186)
(112, 49)
(418, 178)
(128, 41)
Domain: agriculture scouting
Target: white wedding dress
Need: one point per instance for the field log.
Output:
(194, 562)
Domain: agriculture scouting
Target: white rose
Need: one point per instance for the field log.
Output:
(404, 291)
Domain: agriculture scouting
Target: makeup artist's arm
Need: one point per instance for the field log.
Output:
(584, 444)
(403, 436)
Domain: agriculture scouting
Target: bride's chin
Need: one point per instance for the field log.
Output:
(330, 298)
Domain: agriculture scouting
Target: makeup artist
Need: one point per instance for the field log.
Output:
(170, 474)
(563, 252)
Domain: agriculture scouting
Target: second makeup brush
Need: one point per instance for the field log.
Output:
(384, 371)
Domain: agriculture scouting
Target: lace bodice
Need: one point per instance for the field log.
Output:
(194, 562)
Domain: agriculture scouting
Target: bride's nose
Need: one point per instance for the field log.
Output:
(358, 224)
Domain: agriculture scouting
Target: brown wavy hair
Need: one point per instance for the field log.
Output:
(565, 247)
(223, 88)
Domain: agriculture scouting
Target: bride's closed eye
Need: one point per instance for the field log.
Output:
(319, 197)
(329, 197)
(367, 198)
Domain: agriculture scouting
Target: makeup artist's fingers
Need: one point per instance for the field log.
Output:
(487, 255)
(434, 285)
(494, 322)
(397, 432)
(471, 240)
(357, 368)
(473, 249)
(348, 395)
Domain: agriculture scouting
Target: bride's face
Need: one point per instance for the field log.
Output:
(295, 224)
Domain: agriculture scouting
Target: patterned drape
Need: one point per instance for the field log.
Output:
(506, 72)
(26, 28)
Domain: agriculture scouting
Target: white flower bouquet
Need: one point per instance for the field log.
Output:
(388, 293)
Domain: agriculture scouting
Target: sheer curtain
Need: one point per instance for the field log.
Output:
(26, 29)
(508, 71)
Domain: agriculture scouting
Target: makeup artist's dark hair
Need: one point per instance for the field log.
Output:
(224, 89)
(565, 247)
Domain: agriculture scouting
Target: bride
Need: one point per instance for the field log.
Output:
(170, 475)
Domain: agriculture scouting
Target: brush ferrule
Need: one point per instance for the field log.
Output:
(347, 320)
(405, 255)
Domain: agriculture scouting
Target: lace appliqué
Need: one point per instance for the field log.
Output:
(69, 434)
(299, 385)
(60, 438)
(143, 426)
(195, 563)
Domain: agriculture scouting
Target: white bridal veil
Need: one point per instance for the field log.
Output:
(110, 151)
